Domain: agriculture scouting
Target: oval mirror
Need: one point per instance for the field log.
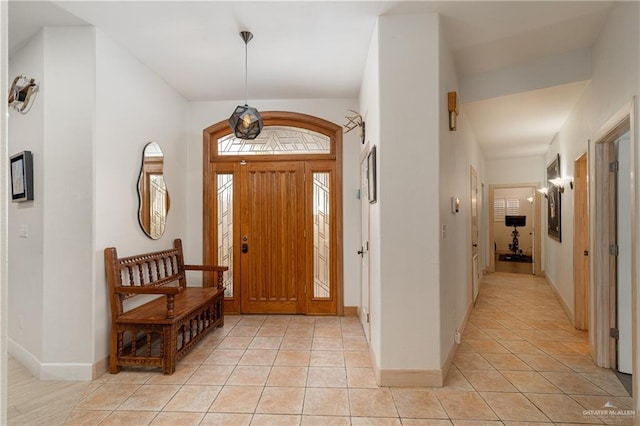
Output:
(152, 192)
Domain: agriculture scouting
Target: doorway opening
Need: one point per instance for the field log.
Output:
(514, 221)
(272, 213)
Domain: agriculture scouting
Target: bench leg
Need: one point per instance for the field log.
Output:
(219, 311)
(116, 347)
(169, 336)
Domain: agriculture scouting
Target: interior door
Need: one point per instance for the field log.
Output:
(272, 237)
(364, 248)
(475, 234)
(581, 244)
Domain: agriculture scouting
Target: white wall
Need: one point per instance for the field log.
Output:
(614, 65)
(408, 157)
(419, 293)
(25, 289)
(133, 107)
(96, 109)
(52, 268)
(370, 110)
(516, 170)
(614, 81)
(67, 198)
(459, 151)
(4, 59)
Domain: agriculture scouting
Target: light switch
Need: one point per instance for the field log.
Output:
(24, 231)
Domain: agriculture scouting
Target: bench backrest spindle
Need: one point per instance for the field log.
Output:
(159, 269)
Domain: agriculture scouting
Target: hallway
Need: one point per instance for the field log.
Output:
(520, 361)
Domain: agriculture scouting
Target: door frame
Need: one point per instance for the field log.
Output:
(213, 164)
(603, 286)
(537, 206)
(599, 340)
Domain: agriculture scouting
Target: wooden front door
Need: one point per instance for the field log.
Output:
(272, 206)
(272, 213)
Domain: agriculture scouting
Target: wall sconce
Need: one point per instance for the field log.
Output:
(453, 110)
(20, 93)
(455, 205)
(544, 191)
(560, 183)
(354, 121)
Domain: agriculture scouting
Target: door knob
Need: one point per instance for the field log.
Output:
(474, 245)
(361, 252)
(245, 248)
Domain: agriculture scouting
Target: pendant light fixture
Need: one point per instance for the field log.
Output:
(246, 121)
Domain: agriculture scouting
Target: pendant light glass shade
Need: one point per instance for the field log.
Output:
(246, 121)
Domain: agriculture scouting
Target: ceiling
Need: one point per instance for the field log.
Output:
(318, 49)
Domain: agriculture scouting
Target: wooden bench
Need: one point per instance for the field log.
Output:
(161, 331)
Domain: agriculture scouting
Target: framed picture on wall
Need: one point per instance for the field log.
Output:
(554, 210)
(21, 169)
(372, 184)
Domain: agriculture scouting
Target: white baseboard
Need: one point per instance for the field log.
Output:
(564, 305)
(50, 371)
(406, 377)
(66, 371)
(410, 378)
(100, 367)
(24, 357)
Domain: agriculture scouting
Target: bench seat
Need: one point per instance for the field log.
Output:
(155, 311)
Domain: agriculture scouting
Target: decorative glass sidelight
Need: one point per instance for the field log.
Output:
(225, 229)
(321, 236)
(273, 140)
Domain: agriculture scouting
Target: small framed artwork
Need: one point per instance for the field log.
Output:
(554, 216)
(372, 184)
(21, 176)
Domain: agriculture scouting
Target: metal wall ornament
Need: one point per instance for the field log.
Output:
(246, 121)
(354, 121)
(21, 92)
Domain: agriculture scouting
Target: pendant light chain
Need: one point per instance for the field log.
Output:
(246, 71)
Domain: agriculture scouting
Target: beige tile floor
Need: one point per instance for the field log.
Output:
(520, 362)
